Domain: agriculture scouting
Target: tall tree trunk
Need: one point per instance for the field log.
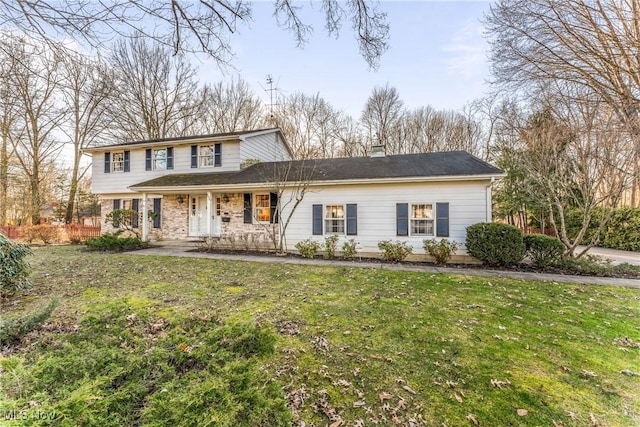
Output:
(4, 178)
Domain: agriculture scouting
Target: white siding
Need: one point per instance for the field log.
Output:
(377, 210)
(118, 182)
(266, 148)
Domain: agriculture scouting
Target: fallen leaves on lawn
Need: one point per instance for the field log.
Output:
(473, 419)
(458, 398)
(629, 373)
(594, 421)
(588, 374)
(499, 383)
(384, 396)
(626, 342)
(320, 344)
(522, 412)
(408, 389)
(289, 328)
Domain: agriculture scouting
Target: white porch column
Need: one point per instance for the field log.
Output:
(209, 212)
(145, 222)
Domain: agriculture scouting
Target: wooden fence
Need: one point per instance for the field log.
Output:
(59, 233)
(547, 231)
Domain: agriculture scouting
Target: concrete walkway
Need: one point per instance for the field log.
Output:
(616, 256)
(183, 250)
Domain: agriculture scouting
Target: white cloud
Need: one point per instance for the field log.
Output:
(466, 53)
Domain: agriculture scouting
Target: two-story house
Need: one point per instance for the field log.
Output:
(246, 182)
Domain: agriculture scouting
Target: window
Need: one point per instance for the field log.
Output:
(210, 155)
(160, 159)
(334, 219)
(117, 161)
(422, 219)
(263, 207)
(218, 206)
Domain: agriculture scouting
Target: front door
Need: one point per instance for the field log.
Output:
(198, 216)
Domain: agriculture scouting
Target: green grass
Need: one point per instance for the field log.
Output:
(179, 341)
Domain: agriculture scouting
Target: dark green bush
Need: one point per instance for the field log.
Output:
(544, 250)
(114, 243)
(14, 269)
(623, 230)
(394, 252)
(495, 244)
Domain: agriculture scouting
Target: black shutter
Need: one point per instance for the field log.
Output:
(157, 209)
(402, 219)
(442, 219)
(248, 209)
(147, 159)
(116, 206)
(135, 206)
(127, 161)
(217, 155)
(107, 162)
(317, 219)
(169, 157)
(274, 214)
(352, 220)
(194, 156)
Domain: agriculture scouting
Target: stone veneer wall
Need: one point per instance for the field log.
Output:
(175, 219)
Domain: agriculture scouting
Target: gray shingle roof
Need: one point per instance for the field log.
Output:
(444, 164)
(187, 138)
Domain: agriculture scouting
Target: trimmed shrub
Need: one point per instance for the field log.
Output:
(495, 244)
(349, 249)
(330, 246)
(544, 251)
(14, 269)
(308, 248)
(114, 243)
(44, 232)
(623, 231)
(394, 252)
(441, 250)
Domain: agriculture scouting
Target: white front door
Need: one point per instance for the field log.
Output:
(198, 216)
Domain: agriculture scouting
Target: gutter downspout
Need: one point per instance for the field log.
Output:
(488, 217)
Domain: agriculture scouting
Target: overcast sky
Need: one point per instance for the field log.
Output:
(437, 56)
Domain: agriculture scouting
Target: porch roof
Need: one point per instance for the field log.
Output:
(448, 165)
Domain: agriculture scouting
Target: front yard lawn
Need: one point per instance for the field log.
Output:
(161, 341)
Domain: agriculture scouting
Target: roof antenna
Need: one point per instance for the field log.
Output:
(271, 90)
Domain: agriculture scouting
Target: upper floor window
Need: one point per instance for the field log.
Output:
(159, 158)
(206, 155)
(117, 161)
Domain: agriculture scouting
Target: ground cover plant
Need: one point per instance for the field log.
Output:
(141, 340)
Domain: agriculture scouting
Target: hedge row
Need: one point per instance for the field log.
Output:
(622, 231)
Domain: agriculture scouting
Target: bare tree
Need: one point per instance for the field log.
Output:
(574, 157)
(186, 26)
(309, 123)
(36, 82)
(381, 118)
(589, 44)
(155, 95)
(87, 90)
(231, 107)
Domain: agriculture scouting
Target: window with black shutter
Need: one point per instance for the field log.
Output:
(317, 220)
(352, 219)
(107, 162)
(157, 210)
(248, 209)
(442, 219)
(147, 159)
(402, 219)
